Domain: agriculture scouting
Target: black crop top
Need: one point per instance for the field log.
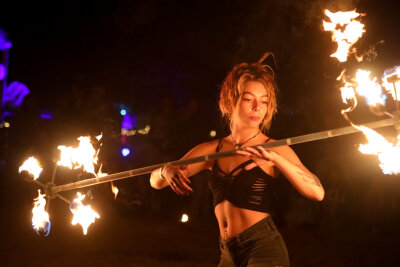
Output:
(248, 189)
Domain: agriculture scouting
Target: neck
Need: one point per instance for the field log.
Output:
(240, 135)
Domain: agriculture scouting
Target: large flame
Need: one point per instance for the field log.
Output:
(388, 153)
(369, 88)
(32, 166)
(40, 219)
(346, 31)
(391, 82)
(82, 156)
(364, 86)
(84, 215)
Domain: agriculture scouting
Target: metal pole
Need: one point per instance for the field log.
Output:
(288, 141)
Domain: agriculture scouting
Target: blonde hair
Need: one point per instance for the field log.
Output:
(233, 86)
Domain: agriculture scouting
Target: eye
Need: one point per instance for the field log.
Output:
(246, 99)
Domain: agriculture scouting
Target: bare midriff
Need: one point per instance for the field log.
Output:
(233, 220)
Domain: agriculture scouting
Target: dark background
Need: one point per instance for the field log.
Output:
(165, 61)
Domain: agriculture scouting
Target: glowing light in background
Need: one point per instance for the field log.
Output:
(185, 218)
(129, 121)
(213, 133)
(346, 31)
(15, 92)
(32, 166)
(123, 112)
(2, 72)
(125, 151)
(40, 219)
(46, 115)
(84, 215)
(145, 130)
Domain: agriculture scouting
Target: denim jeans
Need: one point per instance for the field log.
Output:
(259, 245)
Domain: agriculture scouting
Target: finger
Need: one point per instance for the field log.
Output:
(177, 189)
(186, 186)
(254, 151)
(250, 166)
(266, 154)
(181, 185)
(243, 153)
(187, 180)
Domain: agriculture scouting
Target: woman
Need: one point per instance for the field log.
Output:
(242, 185)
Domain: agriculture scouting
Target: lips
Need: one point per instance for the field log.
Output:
(255, 118)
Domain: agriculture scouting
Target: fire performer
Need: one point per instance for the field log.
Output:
(242, 185)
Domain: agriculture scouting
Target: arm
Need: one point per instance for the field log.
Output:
(305, 182)
(177, 176)
(287, 162)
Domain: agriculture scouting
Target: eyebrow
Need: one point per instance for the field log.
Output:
(253, 94)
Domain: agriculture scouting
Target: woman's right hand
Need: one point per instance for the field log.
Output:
(177, 179)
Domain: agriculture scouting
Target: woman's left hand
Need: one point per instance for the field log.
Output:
(260, 156)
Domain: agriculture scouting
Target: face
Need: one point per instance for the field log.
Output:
(252, 106)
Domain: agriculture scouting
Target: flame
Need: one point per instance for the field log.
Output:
(364, 86)
(32, 166)
(345, 31)
(391, 82)
(40, 219)
(369, 88)
(388, 153)
(83, 156)
(84, 215)
(115, 190)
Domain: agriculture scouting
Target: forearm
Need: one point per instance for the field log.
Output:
(306, 183)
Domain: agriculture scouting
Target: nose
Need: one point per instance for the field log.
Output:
(256, 105)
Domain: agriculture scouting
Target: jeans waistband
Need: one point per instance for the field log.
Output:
(265, 225)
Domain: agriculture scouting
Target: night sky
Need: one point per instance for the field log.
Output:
(140, 50)
(149, 56)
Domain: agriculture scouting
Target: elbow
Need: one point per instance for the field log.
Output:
(319, 196)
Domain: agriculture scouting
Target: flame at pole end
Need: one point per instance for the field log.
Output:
(40, 219)
(364, 86)
(369, 88)
(115, 190)
(346, 31)
(32, 166)
(388, 153)
(391, 82)
(83, 156)
(348, 93)
(84, 215)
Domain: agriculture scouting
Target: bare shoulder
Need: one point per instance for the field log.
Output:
(203, 149)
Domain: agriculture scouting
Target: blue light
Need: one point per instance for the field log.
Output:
(123, 112)
(125, 151)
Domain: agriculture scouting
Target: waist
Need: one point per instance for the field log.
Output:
(264, 227)
(233, 220)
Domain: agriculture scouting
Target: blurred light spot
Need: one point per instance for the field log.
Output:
(184, 218)
(129, 121)
(46, 115)
(213, 133)
(125, 151)
(123, 112)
